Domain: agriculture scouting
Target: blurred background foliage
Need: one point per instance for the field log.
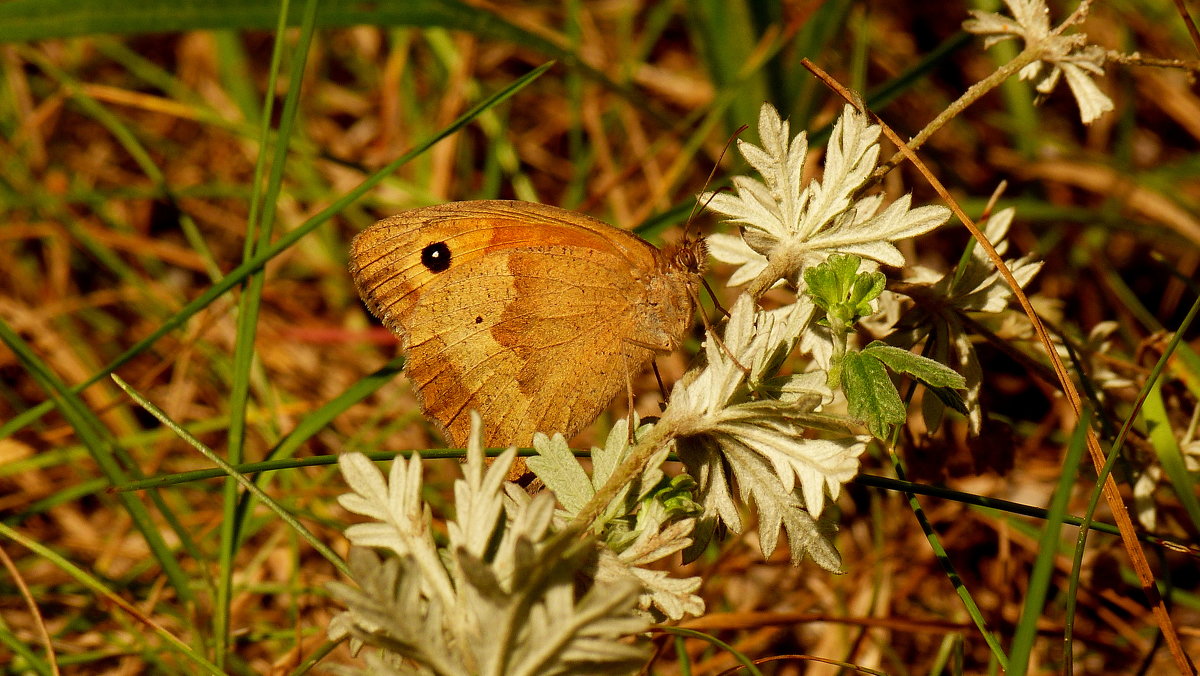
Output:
(136, 217)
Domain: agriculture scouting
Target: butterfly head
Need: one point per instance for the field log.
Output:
(690, 255)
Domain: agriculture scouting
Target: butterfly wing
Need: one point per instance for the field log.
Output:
(533, 315)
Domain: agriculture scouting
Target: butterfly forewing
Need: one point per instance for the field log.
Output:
(527, 313)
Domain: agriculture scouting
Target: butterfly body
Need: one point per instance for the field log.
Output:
(534, 316)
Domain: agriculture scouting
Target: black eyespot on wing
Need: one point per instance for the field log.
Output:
(479, 320)
(436, 257)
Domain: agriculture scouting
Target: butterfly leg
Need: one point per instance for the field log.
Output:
(662, 389)
(711, 332)
(629, 394)
(713, 296)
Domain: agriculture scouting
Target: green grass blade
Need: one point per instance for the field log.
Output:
(935, 543)
(692, 633)
(952, 575)
(1048, 549)
(1023, 120)
(258, 236)
(235, 73)
(240, 273)
(26, 20)
(1170, 455)
(1152, 381)
(880, 97)
(310, 461)
(798, 93)
(988, 504)
(727, 36)
(261, 220)
(64, 496)
(242, 479)
(1180, 597)
(120, 131)
(314, 657)
(26, 660)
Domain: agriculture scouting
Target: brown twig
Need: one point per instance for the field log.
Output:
(38, 620)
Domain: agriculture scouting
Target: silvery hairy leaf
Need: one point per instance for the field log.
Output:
(1062, 56)
(724, 435)
(783, 218)
(637, 531)
(501, 597)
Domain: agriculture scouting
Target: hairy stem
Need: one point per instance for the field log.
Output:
(777, 268)
(625, 473)
(1031, 53)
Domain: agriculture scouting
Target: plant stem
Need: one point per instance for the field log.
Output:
(626, 472)
(777, 267)
(838, 331)
(1031, 53)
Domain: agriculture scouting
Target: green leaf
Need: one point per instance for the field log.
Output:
(840, 290)
(870, 393)
(677, 496)
(951, 398)
(867, 287)
(928, 371)
(830, 282)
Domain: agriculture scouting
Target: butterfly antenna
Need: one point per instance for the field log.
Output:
(690, 238)
(689, 234)
(712, 174)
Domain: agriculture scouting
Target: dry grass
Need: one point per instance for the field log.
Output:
(98, 252)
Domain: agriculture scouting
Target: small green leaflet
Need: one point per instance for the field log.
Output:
(928, 371)
(838, 289)
(871, 396)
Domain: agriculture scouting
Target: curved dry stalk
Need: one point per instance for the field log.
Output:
(1111, 494)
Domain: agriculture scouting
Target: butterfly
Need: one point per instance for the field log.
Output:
(535, 316)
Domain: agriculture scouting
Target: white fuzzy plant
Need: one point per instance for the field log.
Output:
(1060, 56)
(498, 598)
(558, 583)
